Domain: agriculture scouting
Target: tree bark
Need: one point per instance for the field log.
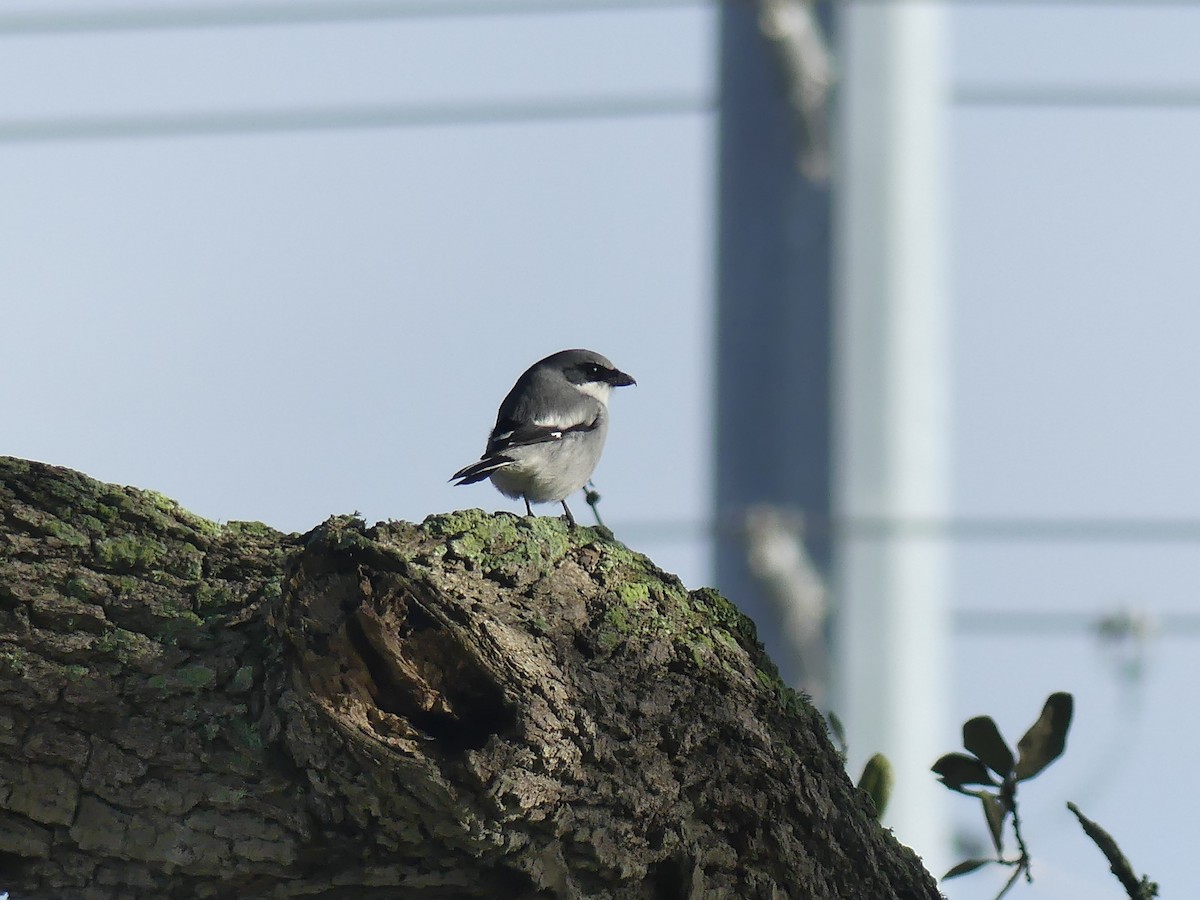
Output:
(477, 706)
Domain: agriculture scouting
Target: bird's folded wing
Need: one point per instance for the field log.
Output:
(509, 434)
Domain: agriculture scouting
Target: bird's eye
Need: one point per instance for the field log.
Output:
(594, 371)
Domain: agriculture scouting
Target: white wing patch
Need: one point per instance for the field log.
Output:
(555, 423)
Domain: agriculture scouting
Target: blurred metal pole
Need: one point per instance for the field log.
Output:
(773, 294)
(892, 417)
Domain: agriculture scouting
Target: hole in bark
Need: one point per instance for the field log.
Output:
(584, 646)
(671, 879)
(667, 741)
(506, 882)
(12, 869)
(424, 675)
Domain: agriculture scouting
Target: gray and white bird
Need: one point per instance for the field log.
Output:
(550, 430)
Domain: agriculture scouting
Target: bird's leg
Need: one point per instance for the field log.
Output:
(528, 508)
(567, 510)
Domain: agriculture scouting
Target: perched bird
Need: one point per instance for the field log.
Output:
(550, 429)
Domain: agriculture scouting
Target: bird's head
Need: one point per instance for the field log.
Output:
(590, 372)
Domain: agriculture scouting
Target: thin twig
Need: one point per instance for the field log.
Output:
(1025, 860)
(593, 498)
(1008, 795)
(1020, 867)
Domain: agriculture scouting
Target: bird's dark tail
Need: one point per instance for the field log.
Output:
(480, 470)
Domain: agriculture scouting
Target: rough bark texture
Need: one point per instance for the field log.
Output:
(478, 706)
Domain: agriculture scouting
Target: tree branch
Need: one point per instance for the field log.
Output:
(478, 706)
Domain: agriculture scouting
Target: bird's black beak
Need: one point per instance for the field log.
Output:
(618, 378)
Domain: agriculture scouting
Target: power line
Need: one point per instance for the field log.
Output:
(960, 528)
(498, 112)
(300, 12)
(1057, 623)
(238, 15)
(1078, 96)
(1125, 530)
(264, 121)
(241, 15)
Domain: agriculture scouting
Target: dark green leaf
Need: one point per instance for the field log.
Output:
(994, 810)
(967, 865)
(877, 779)
(1045, 741)
(982, 737)
(957, 769)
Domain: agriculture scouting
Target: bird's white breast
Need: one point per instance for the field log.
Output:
(553, 470)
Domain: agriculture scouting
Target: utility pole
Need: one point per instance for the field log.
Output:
(832, 368)
(892, 409)
(774, 319)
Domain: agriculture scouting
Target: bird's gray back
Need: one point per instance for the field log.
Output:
(535, 387)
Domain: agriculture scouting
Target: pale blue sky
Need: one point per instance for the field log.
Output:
(1077, 308)
(285, 326)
